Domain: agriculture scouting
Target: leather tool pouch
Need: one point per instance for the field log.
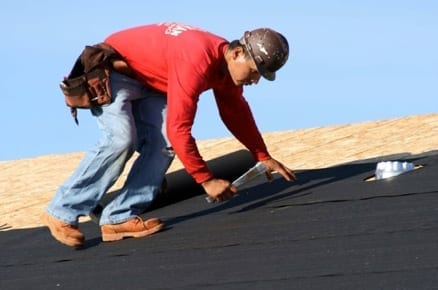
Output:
(88, 83)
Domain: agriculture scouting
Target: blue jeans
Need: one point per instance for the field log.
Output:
(135, 120)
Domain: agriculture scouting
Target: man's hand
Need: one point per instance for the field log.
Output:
(219, 189)
(273, 165)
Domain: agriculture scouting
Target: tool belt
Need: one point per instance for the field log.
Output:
(88, 84)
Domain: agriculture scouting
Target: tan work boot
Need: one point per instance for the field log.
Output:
(63, 232)
(134, 228)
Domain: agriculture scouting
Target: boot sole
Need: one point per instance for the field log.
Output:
(121, 236)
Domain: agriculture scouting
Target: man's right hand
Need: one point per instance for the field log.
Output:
(219, 189)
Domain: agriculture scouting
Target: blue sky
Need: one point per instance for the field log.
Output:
(351, 61)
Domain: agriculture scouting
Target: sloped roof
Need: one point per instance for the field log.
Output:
(332, 229)
(27, 185)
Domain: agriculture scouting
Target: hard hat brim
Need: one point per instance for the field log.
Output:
(270, 76)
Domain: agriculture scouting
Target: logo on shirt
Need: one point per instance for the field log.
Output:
(176, 29)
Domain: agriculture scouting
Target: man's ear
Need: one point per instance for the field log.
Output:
(238, 52)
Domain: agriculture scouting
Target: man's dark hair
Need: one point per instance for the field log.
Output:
(236, 43)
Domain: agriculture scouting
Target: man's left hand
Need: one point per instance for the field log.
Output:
(273, 165)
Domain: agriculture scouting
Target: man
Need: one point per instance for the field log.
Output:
(154, 100)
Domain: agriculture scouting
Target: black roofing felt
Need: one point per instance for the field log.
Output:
(329, 230)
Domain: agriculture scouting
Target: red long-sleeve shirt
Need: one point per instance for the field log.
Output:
(183, 61)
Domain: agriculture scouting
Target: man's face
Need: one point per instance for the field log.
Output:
(243, 70)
